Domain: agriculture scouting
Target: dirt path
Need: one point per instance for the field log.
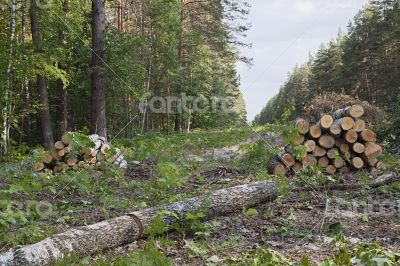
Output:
(226, 154)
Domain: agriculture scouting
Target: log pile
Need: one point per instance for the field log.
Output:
(338, 143)
(67, 154)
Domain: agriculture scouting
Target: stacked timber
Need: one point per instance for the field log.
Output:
(66, 154)
(338, 143)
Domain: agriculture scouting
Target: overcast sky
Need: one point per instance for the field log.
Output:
(283, 33)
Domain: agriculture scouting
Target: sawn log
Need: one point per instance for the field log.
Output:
(92, 239)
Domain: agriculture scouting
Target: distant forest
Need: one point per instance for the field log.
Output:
(364, 64)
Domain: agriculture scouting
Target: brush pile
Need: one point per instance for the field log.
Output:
(338, 142)
(76, 151)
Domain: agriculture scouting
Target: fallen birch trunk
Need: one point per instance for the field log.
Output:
(92, 239)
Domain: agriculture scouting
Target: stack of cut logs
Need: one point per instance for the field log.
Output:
(337, 143)
(64, 156)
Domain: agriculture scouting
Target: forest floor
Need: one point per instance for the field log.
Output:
(294, 226)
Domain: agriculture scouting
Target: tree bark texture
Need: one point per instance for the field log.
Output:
(98, 87)
(41, 82)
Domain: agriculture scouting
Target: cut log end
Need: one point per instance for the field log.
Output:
(357, 163)
(59, 145)
(344, 148)
(356, 111)
(297, 167)
(310, 145)
(47, 158)
(368, 135)
(359, 125)
(315, 131)
(66, 138)
(351, 136)
(335, 130)
(72, 161)
(287, 159)
(39, 167)
(346, 123)
(338, 162)
(326, 141)
(277, 168)
(319, 152)
(373, 149)
(330, 170)
(326, 121)
(359, 148)
(332, 153)
(303, 126)
(323, 162)
(309, 160)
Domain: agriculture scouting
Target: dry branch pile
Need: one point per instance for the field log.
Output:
(66, 154)
(339, 142)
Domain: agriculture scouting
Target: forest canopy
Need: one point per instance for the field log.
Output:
(56, 54)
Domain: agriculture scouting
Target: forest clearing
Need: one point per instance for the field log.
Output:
(126, 140)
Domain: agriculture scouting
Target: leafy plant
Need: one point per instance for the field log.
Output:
(263, 257)
(256, 156)
(363, 254)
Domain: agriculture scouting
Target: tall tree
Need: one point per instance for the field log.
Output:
(62, 111)
(98, 85)
(7, 107)
(41, 81)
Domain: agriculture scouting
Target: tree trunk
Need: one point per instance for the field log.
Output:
(7, 97)
(41, 82)
(178, 125)
(26, 85)
(62, 111)
(178, 116)
(120, 231)
(98, 86)
(355, 111)
(120, 18)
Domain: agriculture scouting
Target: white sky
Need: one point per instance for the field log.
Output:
(283, 33)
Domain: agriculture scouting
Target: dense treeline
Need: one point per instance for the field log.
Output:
(94, 65)
(365, 64)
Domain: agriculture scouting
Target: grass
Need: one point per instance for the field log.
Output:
(176, 146)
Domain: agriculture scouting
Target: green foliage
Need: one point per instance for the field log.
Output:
(288, 228)
(80, 140)
(251, 212)
(263, 257)
(149, 256)
(256, 156)
(362, 254)
(194, 225)
(314, 176)
(159, 225)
